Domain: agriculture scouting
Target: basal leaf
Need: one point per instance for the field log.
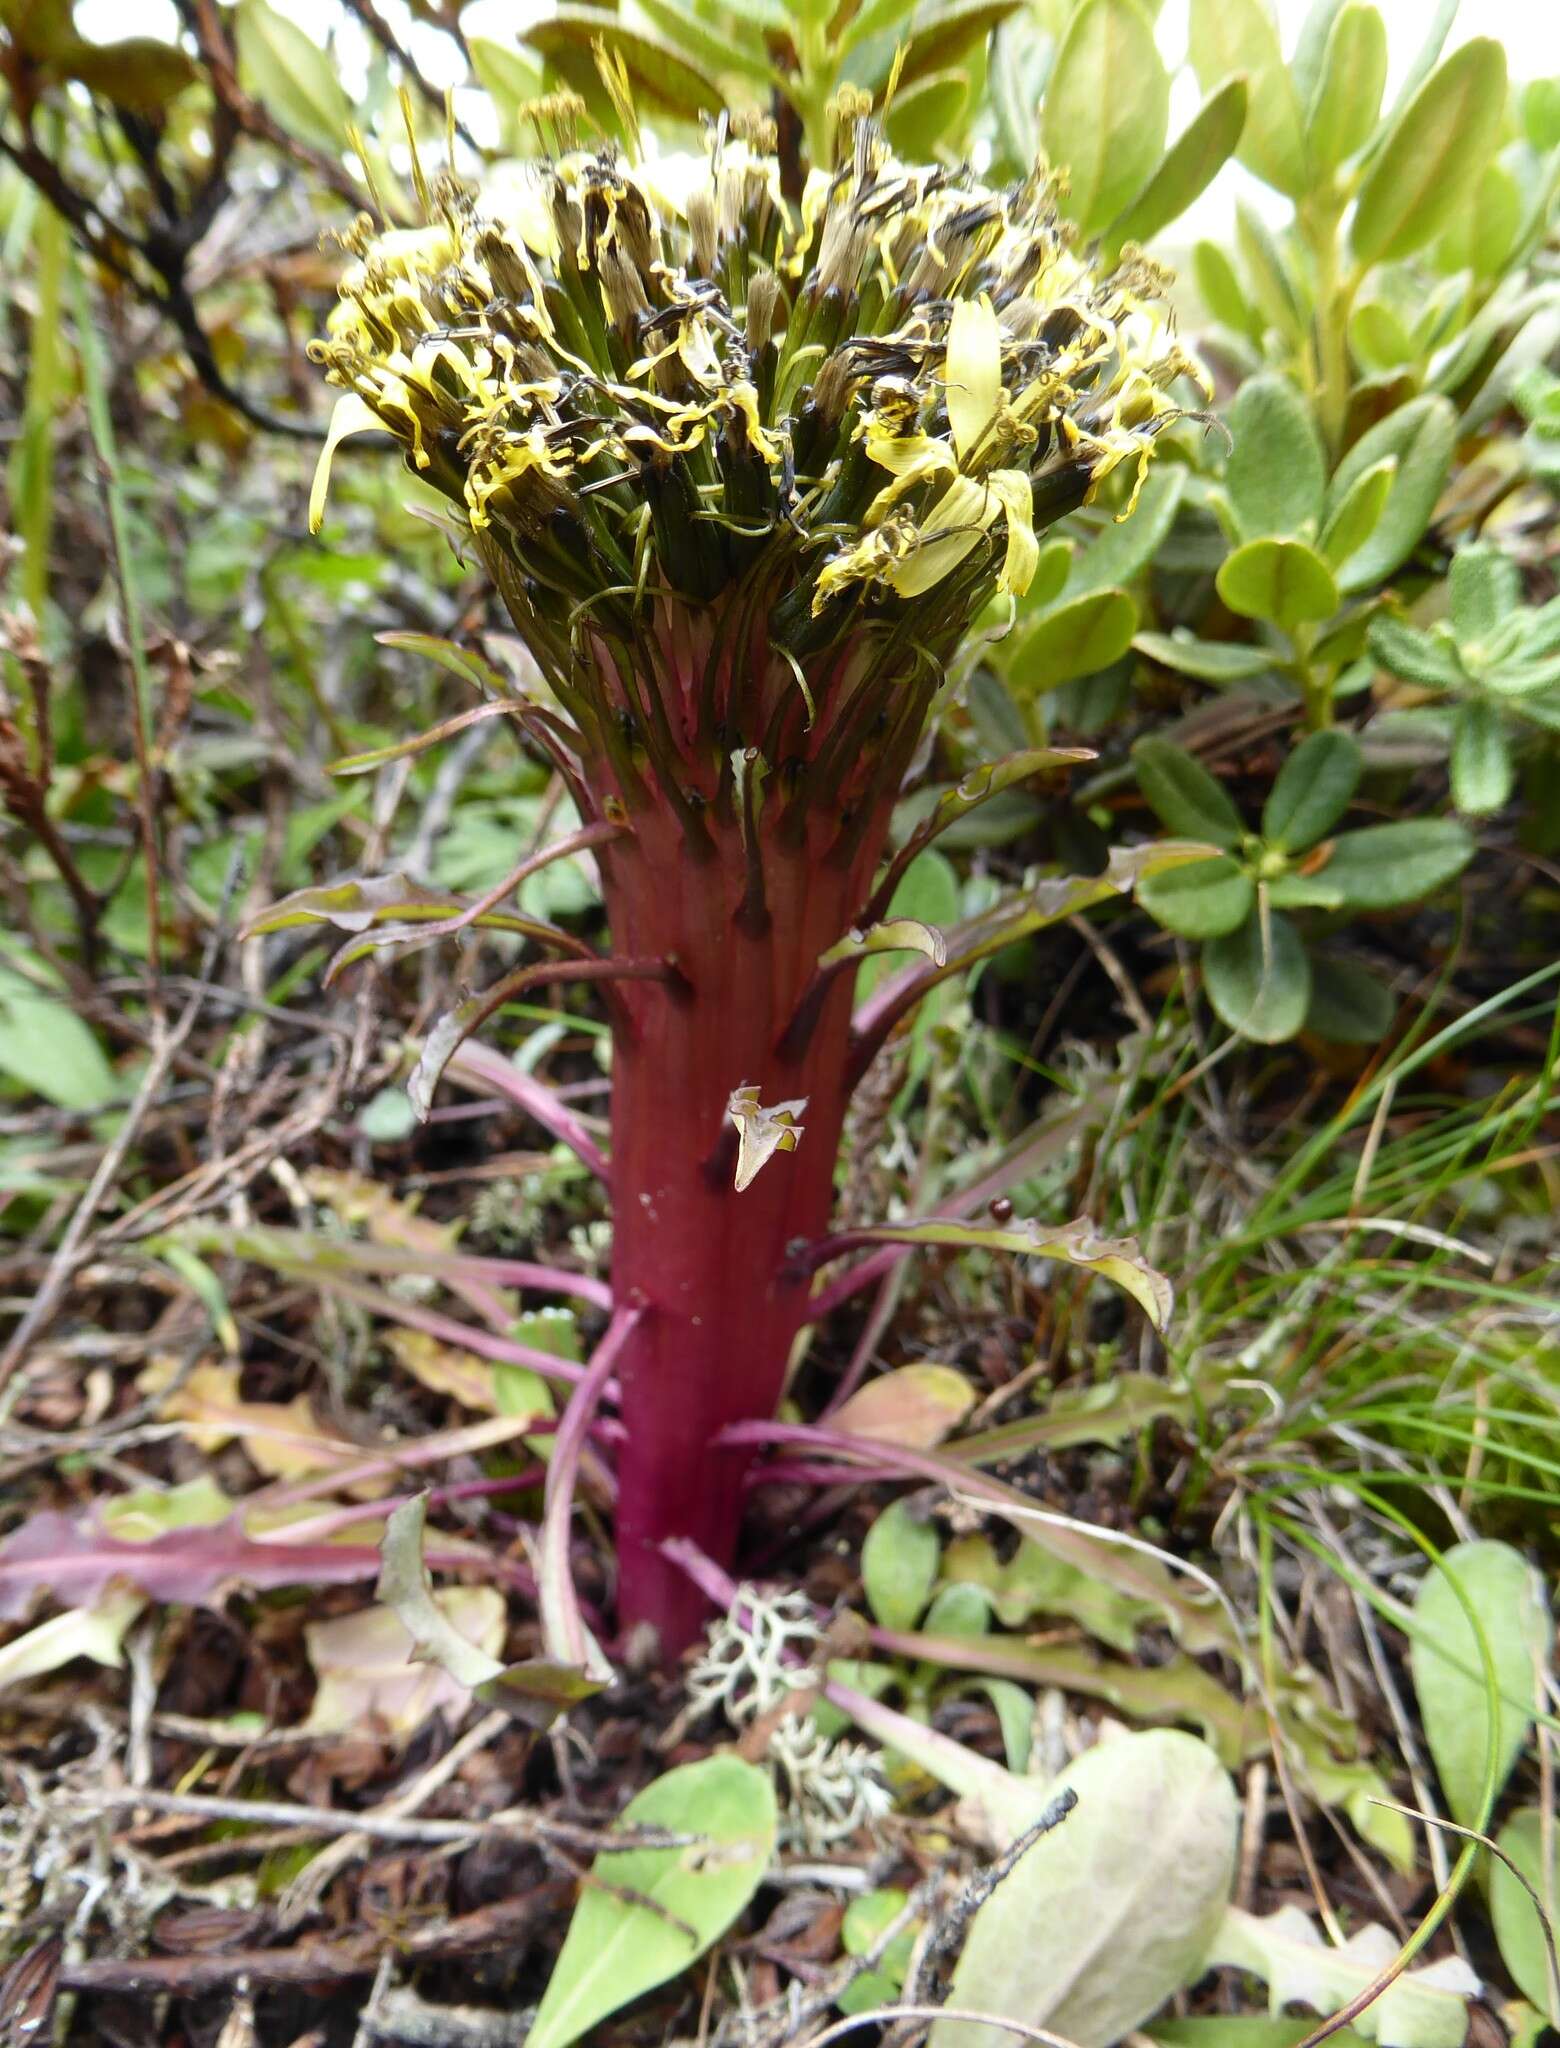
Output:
(1184, 795)
(1211, 661)
(1462, 1725)
(617, 1949)
(1518, 1929)
(899, 1561)
(1385, 866)
(917, 1405)
(1427, 2007)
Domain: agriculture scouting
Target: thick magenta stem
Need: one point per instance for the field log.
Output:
(722, 1302)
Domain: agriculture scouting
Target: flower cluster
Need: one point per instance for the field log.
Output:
(647, 386)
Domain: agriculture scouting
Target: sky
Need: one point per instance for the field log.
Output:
(1530, 30)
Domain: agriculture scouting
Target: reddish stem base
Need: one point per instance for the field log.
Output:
(708, 1265)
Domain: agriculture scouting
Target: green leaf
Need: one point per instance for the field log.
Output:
(1462, 1724)
(510, 82)
(1313, 790)
(1187, 168)
(1242, 2030)
(293, 77)
(1105, 109)
(1184, 796)
(1482, 769)
(616, 1949)
(925, 111)
(1110, 1913)
(1480, 235)
(1484, 592)
(1386, 866)
(1541, 114)
(1276, 284)
(1348, 1004)
(1079, 637)
(1203, 900)
(1124, 547)
(899, 1562)
(1421, 436)
(1379, 338)
(1211, 661)
(1518, 1929)
(1437, 145)
(1221, 290)
(1259, 980)
(664, 80)
(1231, 37)
(1276, 475)
(1358, 513)
(1353, 77)
(1427, 659)
(138, 72)
(950, 33)
(48, 1049)
(1283, 581)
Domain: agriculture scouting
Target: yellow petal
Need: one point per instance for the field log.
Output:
(351, 416)
(956, 523)
(1012, 489)
(973, 372)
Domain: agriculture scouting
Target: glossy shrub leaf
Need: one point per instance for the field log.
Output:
(1463, 1726)
(616, 1949)
(1231, 38)
(1109, 1914)
(1358, 513)
(1484, 587)
(1353, 77)
(1420, 436)
(292, 76)
(1184, 796)
(899, 1561)
(1202, 900)
(1437, 145)
(1187, 168)
(1259, 980)
(1276, 475)
(1211, 661)
(1078, 638)
(1105, 110)
(1482, 770)
(1386, 866)
(1348, 1003)
(1518, 1929)
(1221, 290)
(1282, 581)
(663, 78)
(1313, 790)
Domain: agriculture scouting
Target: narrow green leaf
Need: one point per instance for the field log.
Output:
(1358, 513)
(1283, 581)
(292, 76)
(1221, 290)
(1187, 168)
(1203, 900)
(1348, 92)
(899, 1561)
(1484, 588)
(1184, 796)
(1518, 1929)
(1211, 661)
(1482, 769)
(1232, 37)
(1259, 980)
(1105, 109)
(616, 1948)
(1427, 659)
(1386, 866)
(1276, 284)
(1421, 436)
(1124, 547)
(1276, 474)
(1438, 143)
(1468, 1731)
(1313, 790)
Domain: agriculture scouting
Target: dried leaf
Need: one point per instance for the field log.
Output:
(1425, 2008)
(761, 1133)
(917, 1405)
(368, 1669)
(96, 1632)
(283, 1439)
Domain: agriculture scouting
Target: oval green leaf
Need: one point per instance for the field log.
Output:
(899, 1562)
(1440, 141)
(1466, 1730)
(615, 1949)
(1518, 1928)
(1259, 980)
(1184, 796)
(1235, 37)
(1078, 638)
(1202, 900)
(1276, 474)
(1187, 168)
(1386, 866)
(1420, 436)
(1283, 581)
(292, 77)
(1105, 110)
(1313, 790)
(1348, 92)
